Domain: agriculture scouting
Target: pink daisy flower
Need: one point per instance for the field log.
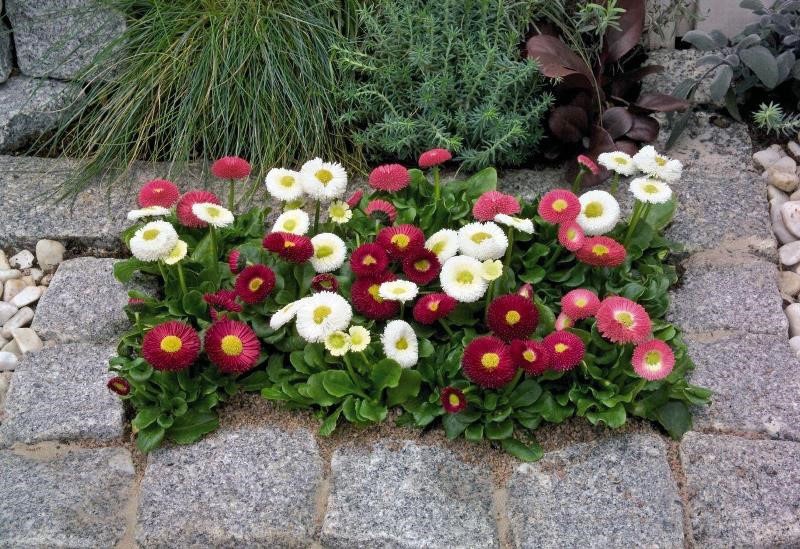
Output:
(559, 206)
(532, 356)
(434, 157)
(382, 210)
(492, 203)
(171, 346)
(159, 192)
(526, 290)
(184, 208)
(621, 320)
(231, 167)
(571, 236)
(233, 346)
(453, 400)
(355, 199)
(579, 304)
(601, 251)
(566, 350)
(400, 240)
(653, 360)
(563, 322)
(589, 164)
(389, 177)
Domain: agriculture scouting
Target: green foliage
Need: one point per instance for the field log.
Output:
(771, 118)
(443, 74)
(200, 79)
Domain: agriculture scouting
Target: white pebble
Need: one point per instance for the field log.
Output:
(4, 261)
(781, 232)
(9, 274)
(789, 253)
(793, 314)
(11, 347)
(784, 181)
(12, 288)
(29, 295)
(49, 254)
(794, 343)
(766, 158)
(22, 260)
(27, 340)
(7, 310)
(8, 361)
(22, 318)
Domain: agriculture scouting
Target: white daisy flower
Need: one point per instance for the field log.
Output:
(292, 221)
(153, 241)
(359, 338)
(286, 314)
(443, 243)
(329, 252)
(492, 269)
(599, 212)
(149, 211)
(324, 180)
(322, 314)
(518, 223)
(618, 162)
(398, 290)
(285, 185)
(400, 343)
(462, 278)
(651, 191)
(657, 165)
(213, 214)
(177, 253)
(338, 343)
(340, 212)
(482, 240)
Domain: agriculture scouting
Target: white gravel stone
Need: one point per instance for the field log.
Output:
(5, 380)
(793, 314)
(9, 274)
(766, 158)
(790, 212)
(22, 260)
(781, 232)
(785, 164)
(784, 181)
(794, 343)
(29, 295)
(11, 347)
(4, 261)
(21, 319)
(46, 279)
(49, 254)
(7, 310)
(774, 193)
(12, 288)
(8, 361)
(27, 340)
(36, 275)
(789, 283)
(795, 195)
(790, 253)
(794, 149)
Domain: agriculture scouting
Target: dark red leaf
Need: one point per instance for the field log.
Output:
(617, 121)
(644, 129)
(631, 23)
(660, 102)
(556, 59)
(568, 123)
(626, 146)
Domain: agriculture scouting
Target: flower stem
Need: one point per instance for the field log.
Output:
(639, 211)
(437, 185)
(446, 327)
(489, 292)
(231, 195)
(576, 185)
(552, 261)
(316, 217)
(181, 277)
(514, 382)
(507, 259)
(615, 184)
(213, 232)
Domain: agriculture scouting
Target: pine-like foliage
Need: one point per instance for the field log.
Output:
(443, 74)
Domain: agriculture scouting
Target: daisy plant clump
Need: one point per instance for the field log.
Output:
(452, 301)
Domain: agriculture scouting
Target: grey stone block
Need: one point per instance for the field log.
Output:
(59, 38)
(755, 382)
(60, 393)
(679, 65)
(414, 496)
(253, 487)
(84, 303)
(739, 297)
(742, 493)
(30, 108)
(6, 60)
(74, 500)
(618, 492)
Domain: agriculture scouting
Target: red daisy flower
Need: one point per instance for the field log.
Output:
(223, 299)
(184, 209)
(588, 164)
(398, 241)
(254, 283)
(430, 308)
(236, 261)
(571, 236)
(365, 298)
(382, 210)
(653, 360)
(290, 247)
(159, 192)
(563, 322)
(171, 346)
(136, 304)
(421, 266)
(119, 385)
(601, 251)
(368, 259)
(434, 157)
(623, 321)
(325, 282)
(512, 316)
(526, 290)
(531, 356)
(233, 346)
(580, 303)
(453, 400)
(487, 362)
(491, 203)
(231, 167)
(389, 177)
(559, 206)
(566, 350)
(355, 199)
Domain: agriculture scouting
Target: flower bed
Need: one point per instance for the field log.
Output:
(452, 301)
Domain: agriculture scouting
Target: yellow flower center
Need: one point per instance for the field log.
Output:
(398, 290)
(337, 340)
(490, 361)
(323, 251)
(232, 345)
(479, 237)
(652, 360)
(438, 247)
(368, 260)
(571, 234)
(324, 176)
(287, 181)
(422, 265)
(288, 244)
(625, 318)
(621, 160)
(560, 347)
(374, 292)
(650, 188)
(321, 313)
(529, 355)
(356, 339)
(213, 211)
(453, 399)
(158, 190)
(464, 277)
(171, 344)
(401, 344)
(560, 205)
(150, 234)
(433, 306)
(255, 284)
(661, 161)
(338, 211)
(600, 250)
(581, 302)
(512, 317)
(401, 241)
(593, 209)
(289, 225)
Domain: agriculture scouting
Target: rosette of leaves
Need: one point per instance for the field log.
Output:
(599, 108)
(443, 74)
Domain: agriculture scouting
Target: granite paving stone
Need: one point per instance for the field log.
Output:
(755, 382)
(739, 296)
(742, 493)
(73, 500)
(250, 487)
(407, 497)
(60, 393)
(84, 302)
(618, 492)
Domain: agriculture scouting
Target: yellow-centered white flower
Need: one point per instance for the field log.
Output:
(599, 212)
(443, 243)
(338, 343)
(177, 253)
(482, 240)
(286, 314)
(213, 214)
(283, 184)
(149, 211)
(518, 223)
(359, 338)
(657, 165)
(618, 162)
(398, 290)
(492, 269)
(339, 212)
(292, 221)
(324, 181)
(321, 314)
(153, 241)
(400, 343)
(650, 190)
(462, 279)
(329, 252)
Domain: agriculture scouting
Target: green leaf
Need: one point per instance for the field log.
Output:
(763, 64)
(126, 268)
(522, 451)
(721, 83)
(338, 383)
(329, 425)
(255, 382)
(372, 411)
(613, 417)
(145, 418)
(525, 394)
(474, 432)
(150, 438)
(407, 388)
(193, 425)
(700, 40)
(193, 303)
(385, 373)
(499, 431)
(453, 425)
(675, 417)
(315, 389)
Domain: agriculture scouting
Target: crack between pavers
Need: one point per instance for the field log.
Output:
(500, 512)
(320, 508)
(679, 476)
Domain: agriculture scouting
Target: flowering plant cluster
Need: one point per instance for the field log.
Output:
(451, 301)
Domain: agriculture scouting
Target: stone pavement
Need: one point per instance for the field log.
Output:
(734, 481)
